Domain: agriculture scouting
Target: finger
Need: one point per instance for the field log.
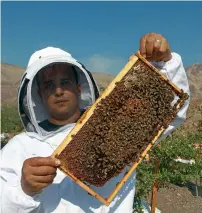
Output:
(37, 187)
(156, 47)
(43, 170)
(44, 179)
(149, 46)
(142, 46)
(48, 161)
(163, 49)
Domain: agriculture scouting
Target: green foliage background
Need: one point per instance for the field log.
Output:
(10, 120)
(169, 170)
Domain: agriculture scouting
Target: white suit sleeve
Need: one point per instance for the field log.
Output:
(175, 72)
(13, 199)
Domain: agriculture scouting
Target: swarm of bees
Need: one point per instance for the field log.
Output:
(121, 127)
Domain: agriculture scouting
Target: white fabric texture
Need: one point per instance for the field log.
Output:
(64, 195)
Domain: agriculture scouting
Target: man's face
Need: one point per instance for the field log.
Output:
(59, 91)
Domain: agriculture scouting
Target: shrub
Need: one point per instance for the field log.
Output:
(10, 120)
(169, 170)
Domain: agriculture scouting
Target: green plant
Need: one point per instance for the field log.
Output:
(10, 120)
(102, 89)
(169, 170)
(137, 205)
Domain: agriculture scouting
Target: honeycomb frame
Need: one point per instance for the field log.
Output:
(87, 114)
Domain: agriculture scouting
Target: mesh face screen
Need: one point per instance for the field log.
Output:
(121, 126)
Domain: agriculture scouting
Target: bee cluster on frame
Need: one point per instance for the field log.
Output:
(121, 127)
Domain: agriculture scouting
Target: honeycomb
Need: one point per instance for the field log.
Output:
(121, 126)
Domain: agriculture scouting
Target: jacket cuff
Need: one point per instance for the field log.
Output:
(34, 198)
(163, 64)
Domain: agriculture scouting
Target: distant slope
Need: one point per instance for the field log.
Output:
(194, 74)
(10, 78)
(102, 79)
(11, 74)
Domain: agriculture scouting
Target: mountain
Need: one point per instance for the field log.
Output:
(10, 78)
(11, 75)
(194, 74)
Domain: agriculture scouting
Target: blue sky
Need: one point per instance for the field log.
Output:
(102, 35)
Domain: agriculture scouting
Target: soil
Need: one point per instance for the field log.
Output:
(180, 199)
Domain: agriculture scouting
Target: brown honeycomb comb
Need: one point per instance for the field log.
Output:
(120, 127)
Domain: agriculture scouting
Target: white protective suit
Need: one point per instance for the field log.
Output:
(64, 196)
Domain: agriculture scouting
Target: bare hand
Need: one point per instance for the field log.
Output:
(154, 47)
(37, 173)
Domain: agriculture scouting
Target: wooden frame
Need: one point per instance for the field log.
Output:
(84, 118)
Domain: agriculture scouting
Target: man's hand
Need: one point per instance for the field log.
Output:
(37, 173)
(154, 47)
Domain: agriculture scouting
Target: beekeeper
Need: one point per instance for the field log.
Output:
(54, 91)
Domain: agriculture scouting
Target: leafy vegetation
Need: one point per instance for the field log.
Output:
(102, 89)
(10, 120)
(170, 171)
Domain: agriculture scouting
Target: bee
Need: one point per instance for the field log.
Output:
(121, 127)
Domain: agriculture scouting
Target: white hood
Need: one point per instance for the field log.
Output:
(30, 105)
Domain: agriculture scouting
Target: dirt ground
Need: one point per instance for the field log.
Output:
(179, 199)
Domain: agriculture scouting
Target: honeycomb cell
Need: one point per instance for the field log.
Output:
(121, 127)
